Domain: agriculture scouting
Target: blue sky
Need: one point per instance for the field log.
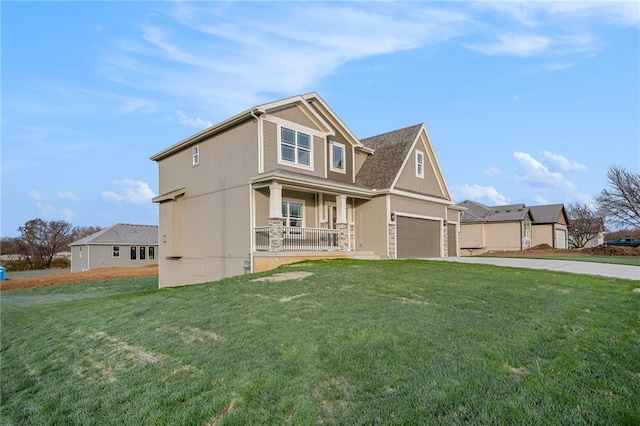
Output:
(524, 102)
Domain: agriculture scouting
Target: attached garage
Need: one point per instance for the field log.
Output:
(417, 237)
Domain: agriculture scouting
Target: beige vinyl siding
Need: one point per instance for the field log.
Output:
(503, 236)
(79, 264)
(542, 234)
(101, 256)
(227, 160)
(417, 207)
(211, 235)
(371, 218)
(408, 181)
(452, 240)
(262, 206)
(471, 236)
(348, 152)
(270, 135)
(295, 114)
(361, 157)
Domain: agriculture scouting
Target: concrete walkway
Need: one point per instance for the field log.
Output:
(627, 272)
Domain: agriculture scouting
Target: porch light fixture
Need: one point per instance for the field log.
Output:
(444, 223)
(393, 217)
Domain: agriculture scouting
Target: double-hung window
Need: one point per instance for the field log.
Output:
(419, 164)
(295, 147)
(195, 155)
(116, 251)
(292, 213)
(337, 157)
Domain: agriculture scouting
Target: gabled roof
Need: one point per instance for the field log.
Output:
(478, 212)
(122, 233)
(548, 213)
(391, 150)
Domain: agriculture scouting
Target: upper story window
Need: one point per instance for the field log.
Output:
(337, 157)
(419, 164)
(295, 147)
(195, 155)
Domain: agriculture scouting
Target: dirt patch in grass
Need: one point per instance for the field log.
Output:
(98, 274)
(547, 250)
(285, 276)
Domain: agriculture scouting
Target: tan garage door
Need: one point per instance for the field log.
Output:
(418, 238)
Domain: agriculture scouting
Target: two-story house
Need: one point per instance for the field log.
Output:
(288, 181)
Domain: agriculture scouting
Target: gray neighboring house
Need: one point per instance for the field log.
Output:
(120, 245)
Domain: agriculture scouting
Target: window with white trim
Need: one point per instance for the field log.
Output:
(419, 164)
(133, 253)
(116, 251)
(195, 155)
(292, 213)
(337, 157)
(295, 147)
(143, 253)
(152, 252)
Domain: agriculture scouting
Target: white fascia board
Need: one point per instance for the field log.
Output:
(314, 95)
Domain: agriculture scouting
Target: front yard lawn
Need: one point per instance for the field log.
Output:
(349, 342)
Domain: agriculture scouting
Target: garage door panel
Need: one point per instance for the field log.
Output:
(417, 238)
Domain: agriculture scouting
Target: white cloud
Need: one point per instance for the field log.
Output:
(514, 44)
(563, 164)
(68, 196)
(132, 192)
(492, 171)
(540, 199)
(557, 66)
(34, 195)
(537, 174)
(193, 122)
(478, 193)
(49, 211)
(242, 51)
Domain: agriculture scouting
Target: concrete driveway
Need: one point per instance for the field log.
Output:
(627, 272)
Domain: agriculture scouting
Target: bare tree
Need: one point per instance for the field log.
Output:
(584, 225)
(84, 231)
(620, 201)
(42, 240)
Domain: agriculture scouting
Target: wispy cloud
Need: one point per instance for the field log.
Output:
(563, 163)
(243, 55)
(492, 171)
(481, 193)
(131, 192)
(193, 122)
(66, 195)
(536, 173)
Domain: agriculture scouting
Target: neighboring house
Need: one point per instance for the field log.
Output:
(512, 227)
(119, 245)
(288, 181)
(550, 226)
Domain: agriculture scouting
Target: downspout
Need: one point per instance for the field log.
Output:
(252, 224)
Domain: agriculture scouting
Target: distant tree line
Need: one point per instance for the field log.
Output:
(39, 243)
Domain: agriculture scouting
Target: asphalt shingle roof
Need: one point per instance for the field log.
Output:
(547, 213)
(122, 233)
(478, 212)
(391, 149)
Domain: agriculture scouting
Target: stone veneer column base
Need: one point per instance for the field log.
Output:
(276, 234)
(392, 241)
(343, 236)
(445, 240)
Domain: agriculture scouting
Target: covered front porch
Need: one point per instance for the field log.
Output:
(303, 215)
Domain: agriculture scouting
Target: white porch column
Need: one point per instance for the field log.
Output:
(341, 207)
(341, 223)
(275, 201)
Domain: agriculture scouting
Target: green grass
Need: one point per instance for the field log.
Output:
(357, 342)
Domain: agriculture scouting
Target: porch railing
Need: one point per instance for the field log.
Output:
(299, 239)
